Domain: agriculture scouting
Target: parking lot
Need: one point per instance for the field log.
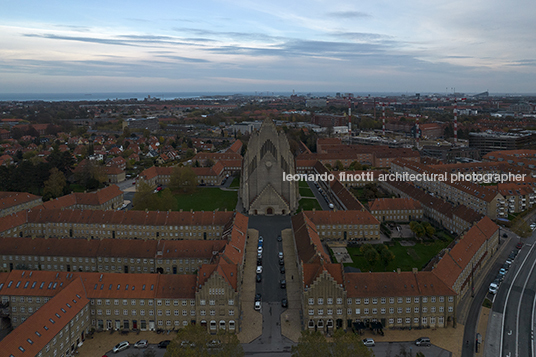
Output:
(131, 352)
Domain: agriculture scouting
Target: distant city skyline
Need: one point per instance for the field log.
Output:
(274, 46)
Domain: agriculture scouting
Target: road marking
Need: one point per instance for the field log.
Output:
(508, 295)
(510, 333)
(519, 307)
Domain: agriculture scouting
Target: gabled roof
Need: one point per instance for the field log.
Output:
(386, 284)
(382, 204)
(341, 217)
(308, 244)
(311, 272)
(47, 322)
(227, 272)
(453, 262)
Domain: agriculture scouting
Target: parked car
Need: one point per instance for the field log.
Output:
(284, 303)
(502, 271)
(282, 269)
(261, 239)
(259, 278)
(505, 235)
(164, 344)
(141, 344)
(186, 344)
(369, 342)
(259, 269)
(493, 288)
(121, 346)
(499, 277)
(423, 341)
(519, 245)
(257, 306)
(281, 262)
(214, 344)
(259, 255)
(279, 239)
(283, 283)
(258, 297)
(280, 255)
(259, 250)
(259, 261)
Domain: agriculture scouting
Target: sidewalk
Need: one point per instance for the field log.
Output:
(251, 325)
(290, 318)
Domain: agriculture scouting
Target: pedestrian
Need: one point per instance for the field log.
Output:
(292, 277)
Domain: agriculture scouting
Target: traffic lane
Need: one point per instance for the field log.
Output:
(410, 349)
(469, 339)
(500, 299)
(519, 279)
(525, 318)
(518, 305)
(270, 227)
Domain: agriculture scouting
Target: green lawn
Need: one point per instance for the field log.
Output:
(207, 199)
(235, 183)
(306, 192)
(307, 204)
(406, 258)
(303, 184)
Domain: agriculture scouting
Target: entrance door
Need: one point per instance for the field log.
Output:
(126, 269)
(269, 210)
(108, 324)
(134, 324)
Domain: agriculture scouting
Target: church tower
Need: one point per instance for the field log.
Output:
(262, 188)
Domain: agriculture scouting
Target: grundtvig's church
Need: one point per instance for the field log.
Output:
(262, 188)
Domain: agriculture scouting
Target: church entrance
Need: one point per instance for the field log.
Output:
(269, 210)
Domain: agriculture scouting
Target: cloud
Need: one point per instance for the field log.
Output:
(103, 41)
(348, 14)
(185, 59)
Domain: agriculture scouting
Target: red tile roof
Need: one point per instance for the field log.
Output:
(383, 204)
(388, 284)
(39, 329)
(341, 217)
(308, 244)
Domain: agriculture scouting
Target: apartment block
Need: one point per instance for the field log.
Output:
(396, 209)
(335, 299)
(12, 202)
(479, 198)
(345, 225)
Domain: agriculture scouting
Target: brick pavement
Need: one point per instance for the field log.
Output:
(448, 338)
(251, 324)
(482, 328)
(103, 342)
(290, 318)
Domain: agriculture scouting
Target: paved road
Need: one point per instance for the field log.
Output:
(137, 352)
(468, 350)
(516, 302)
(271, 340)
(392, 349)
(323, 202)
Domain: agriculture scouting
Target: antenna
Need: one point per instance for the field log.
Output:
(349, 121)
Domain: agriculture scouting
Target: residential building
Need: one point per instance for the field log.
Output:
(396, 209)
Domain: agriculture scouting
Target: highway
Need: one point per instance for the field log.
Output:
(515, 302)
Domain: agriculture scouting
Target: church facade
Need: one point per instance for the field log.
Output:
(262, 187)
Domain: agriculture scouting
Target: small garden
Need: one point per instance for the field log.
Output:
(405, 253)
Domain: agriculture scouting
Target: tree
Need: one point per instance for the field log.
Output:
(311, 344)
(54, 185)
(417, 229)
(387, 257)
(429, 229)
(142, 197)
(520, 227)
(183, 179)
(194, 341)
(338, 165)
(349, 344)
(166, 201)
(372, 257)
(209, 162)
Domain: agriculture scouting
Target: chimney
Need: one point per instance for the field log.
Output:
(414, 270)
(398, 270)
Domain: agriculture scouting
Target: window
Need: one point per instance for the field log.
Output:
(399, 300)
(357, 311)
(357, 301)
(433, 309)
(416, 300)
(450, 309)
(441, 299)
(433, 299)
(424, 299)
(416, 310)
(311, 312)
(408, 310)
(320, 311)
(408, 300)
(320, 301)
(451, 299)
(391, 310)
(349, 301)
(365, 301)
(383, 300)
(339, 301)
(441, 309)
(339, 311)
(382, 310)
(330, 301)
(374, 301)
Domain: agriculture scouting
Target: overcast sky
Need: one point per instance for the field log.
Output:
(274, 45)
